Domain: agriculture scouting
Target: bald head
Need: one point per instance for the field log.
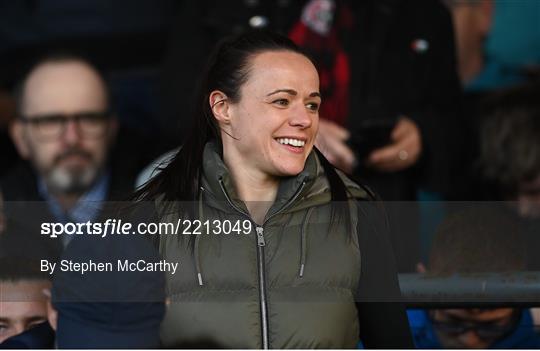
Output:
(62, 86)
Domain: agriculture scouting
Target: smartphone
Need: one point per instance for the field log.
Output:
(369, 135)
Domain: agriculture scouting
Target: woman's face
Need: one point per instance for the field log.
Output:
(276, 119)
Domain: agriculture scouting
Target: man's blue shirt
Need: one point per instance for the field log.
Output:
(87, 207)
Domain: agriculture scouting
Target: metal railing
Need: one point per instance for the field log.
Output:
(467, 290)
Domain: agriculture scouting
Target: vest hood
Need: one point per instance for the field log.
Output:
(309, 188)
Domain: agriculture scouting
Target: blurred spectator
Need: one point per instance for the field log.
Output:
(472, 23)
(498, 46)
(126, 38)
(23, 305)
(65, 132)
(391, 80)
(510, 148)
(498, 42)
(477, 240)
(111, 309)
(509, 162)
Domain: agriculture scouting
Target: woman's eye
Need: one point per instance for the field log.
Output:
(281, 102)
(313, 106)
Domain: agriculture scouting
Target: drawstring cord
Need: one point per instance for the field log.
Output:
(303, 242)
(197, 239)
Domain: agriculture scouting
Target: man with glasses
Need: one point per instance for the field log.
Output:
(64, 132)
(476, 241)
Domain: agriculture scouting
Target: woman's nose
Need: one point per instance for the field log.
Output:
(301, 117)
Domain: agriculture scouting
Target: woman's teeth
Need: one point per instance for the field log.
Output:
(293, 142)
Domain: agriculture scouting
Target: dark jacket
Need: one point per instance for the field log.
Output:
(403, 62)
(25, 208)
(290, 282)
(38, 337)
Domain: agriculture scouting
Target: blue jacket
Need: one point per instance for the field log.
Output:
(424, 335)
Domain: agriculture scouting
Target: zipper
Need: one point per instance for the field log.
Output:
(261, 243)
(260, 236)
(262, 286)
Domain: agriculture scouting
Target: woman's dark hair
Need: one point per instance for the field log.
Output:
(227, 70)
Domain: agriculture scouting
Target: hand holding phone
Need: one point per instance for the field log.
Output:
(403, 151)
(371, 134)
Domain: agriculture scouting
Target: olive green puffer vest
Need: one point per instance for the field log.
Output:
(289, 283)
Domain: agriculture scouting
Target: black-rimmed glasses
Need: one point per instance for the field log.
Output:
(51, 126)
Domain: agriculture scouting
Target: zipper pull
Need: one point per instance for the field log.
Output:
(260, 236)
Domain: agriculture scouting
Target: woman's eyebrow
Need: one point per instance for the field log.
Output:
(293, 92)
(288, 91)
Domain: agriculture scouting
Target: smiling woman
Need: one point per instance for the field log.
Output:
(297, 280)
(273, 125)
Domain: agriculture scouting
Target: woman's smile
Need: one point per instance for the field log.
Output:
(294, 145)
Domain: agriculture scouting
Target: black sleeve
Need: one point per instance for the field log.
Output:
(438, 113)
(382, 317)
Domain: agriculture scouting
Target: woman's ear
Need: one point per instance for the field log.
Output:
(220, 106)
